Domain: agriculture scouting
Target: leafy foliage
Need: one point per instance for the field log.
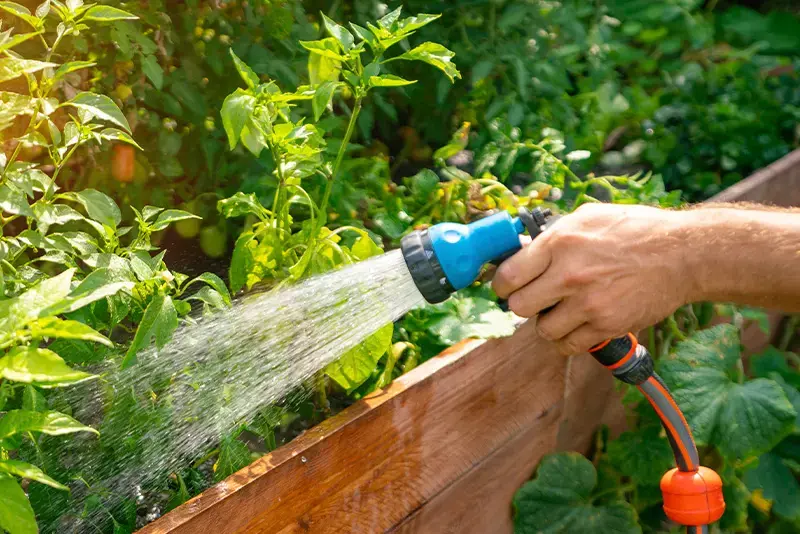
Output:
(560, 499)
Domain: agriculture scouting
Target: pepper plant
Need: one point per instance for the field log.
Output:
(290, 238)
(76, 286)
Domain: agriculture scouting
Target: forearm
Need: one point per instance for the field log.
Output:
(745, 256)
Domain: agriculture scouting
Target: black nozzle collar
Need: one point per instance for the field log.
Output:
(424, 266)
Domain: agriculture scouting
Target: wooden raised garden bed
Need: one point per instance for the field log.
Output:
(444, 447)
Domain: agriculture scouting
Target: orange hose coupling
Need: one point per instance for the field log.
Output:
(693, 498)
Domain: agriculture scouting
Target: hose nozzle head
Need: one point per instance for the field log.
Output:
(448, 256)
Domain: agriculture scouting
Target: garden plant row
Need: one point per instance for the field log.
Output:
(293, 168)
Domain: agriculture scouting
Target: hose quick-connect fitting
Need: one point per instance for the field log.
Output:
(448, 256)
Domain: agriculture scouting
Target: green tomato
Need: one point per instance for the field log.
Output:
(213, 241)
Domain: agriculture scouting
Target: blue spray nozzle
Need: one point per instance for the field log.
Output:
(463, 249)
(449, 256)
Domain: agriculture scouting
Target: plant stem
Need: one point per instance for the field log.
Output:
(788, 332)
(205, 458)
(651, 340)
(673, 327)
(351, 126)
(740, 371)
(321, 387)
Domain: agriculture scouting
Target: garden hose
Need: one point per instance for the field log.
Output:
(448, 256)
(692, 493)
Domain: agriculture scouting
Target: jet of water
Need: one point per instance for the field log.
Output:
(218, 373)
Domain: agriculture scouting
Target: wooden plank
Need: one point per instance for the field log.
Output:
(590, 400)
(777, 184)
(371, 466)
(480, 501)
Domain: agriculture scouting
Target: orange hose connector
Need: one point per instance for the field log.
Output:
(693, 498)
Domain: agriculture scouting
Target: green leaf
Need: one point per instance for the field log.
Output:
(778, 484)
(99, 206)
(11, 68)
(107, 14)
(215, 282)
(328, 47)
(242, 204)
(643, 455)
(101, 283)
(364, 247)
(101, 107)
(33, 400)
(388, 80)
(737, 498)
(16, 312)
(115, 134)
(772, 360)
(323, 69)
(13, 201)
(235, 112)
(21, 12)
(16, 514)
(53, 327)
(792, 394)
(433, 54)
(365, 35)
(72, 66)
(159, 321)
(7, 41)
(233, 455)
(356, 365)
(558, 501)
(209, 296)
(464, 317)
(410, 24)
(340, 33)
(742, 420)
(167, 217)
(179, 497)
(247, 74)
(25, 470)
(51, 423)
(42, 367)
(423, 184)
(49, 214)
(323, 97)
(153, 71)
(387, 21)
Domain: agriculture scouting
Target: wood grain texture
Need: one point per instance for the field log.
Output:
(371, 466)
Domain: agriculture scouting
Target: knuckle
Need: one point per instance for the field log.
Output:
(594, 307)
(575, 278)
(517, 305)
(544, 331)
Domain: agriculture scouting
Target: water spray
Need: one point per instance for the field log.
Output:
(447, 257)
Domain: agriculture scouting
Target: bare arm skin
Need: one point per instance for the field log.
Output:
(610, 269)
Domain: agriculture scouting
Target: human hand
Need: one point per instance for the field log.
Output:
(608, 269)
